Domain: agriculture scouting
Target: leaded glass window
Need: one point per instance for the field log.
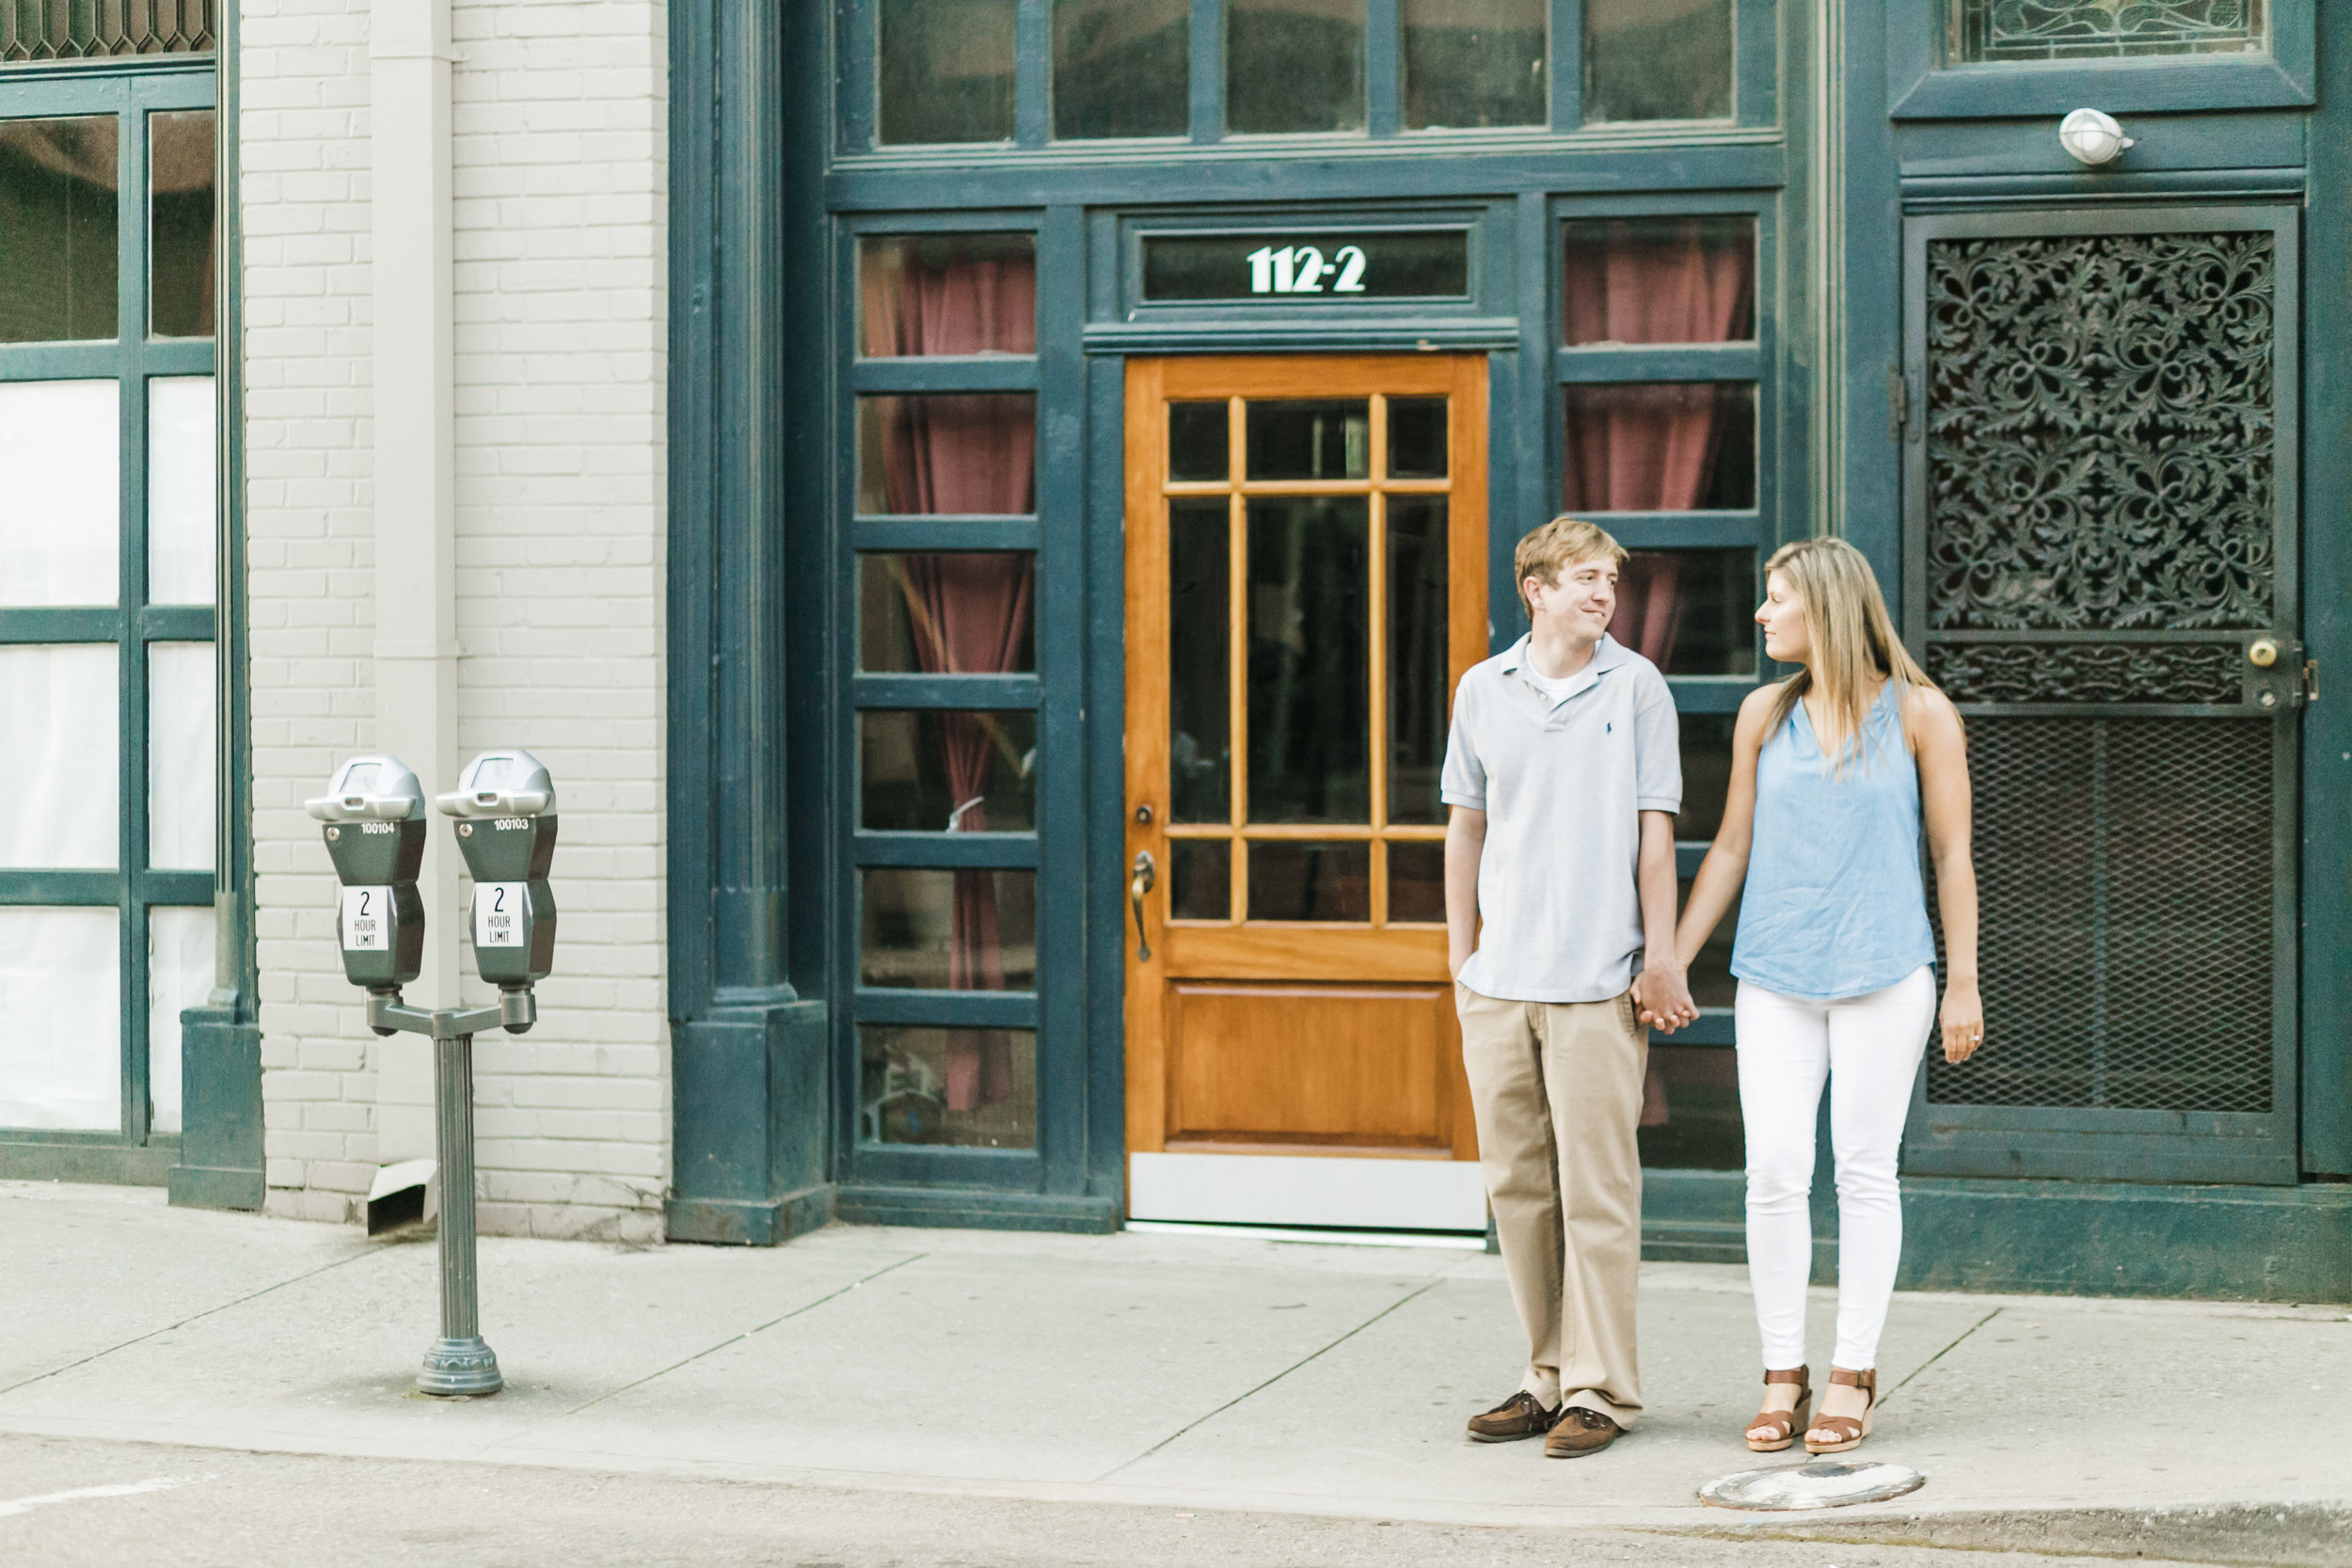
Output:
(35, 32)
(1985, 32)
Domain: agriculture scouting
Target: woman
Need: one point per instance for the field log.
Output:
(1832, 772)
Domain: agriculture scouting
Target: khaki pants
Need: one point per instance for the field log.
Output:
(1557, 1089)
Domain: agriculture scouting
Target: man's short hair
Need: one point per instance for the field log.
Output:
(1558, 545)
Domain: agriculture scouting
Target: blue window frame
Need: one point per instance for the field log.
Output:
(108, 582)
(1923, 82)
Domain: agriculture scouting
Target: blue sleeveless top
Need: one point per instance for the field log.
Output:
(1834, 904)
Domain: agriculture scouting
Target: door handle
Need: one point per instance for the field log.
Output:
(1147, 873)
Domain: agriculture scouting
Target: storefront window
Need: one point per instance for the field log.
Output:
(946, 71)
(912, 609)
(947, 453)
(1294, 65)
(921, 294)
(1706, 773)
(1660, 280)
(969, 1089)
(179, 225)
(947, 770)
(1688, 611)
(949, 930)
(1993, 31)
(1474, 62)
(1665, 446)
(1122, 68)
(58, 228)
(1657, 59)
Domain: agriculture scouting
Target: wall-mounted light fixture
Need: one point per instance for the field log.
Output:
(2092, 137)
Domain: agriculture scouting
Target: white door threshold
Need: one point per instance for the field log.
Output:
(1308, 1191)
(1450, 1240)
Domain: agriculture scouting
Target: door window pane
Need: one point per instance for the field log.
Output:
(949, 930)
(939, 770)
(1660, 280)
(1310, 881)
(1307, 667)
(1689, 612)
(60, 502)
(954, 1088)
(1710, 976)
(946, 71)
(1294, 65)
(1311, 440)
(1122, 68)
(58, 227)
(1199, 661)
(1474, 62)
(1419, 664)
(1706, 773)
(57, 711)
(1199, 442)
(179, 233)
(947, 293)
(971, 454)
(948, 615)
(1669, 446)
(180, 497)
(178, 976)
(1417, 883)
(1201, 873)
(1691, 1109)
(1657, 59)
(60, 1019)
(37, 31)
(1994, 31)
(183, 724)
(1417, 438)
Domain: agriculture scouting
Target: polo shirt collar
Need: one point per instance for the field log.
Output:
(1607, 655)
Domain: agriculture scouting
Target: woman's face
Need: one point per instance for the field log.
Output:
(1782, 616)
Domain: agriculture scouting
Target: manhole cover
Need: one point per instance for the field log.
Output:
(1823, 1483)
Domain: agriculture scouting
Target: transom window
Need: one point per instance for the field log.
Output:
(2000, 31)
(959, 71)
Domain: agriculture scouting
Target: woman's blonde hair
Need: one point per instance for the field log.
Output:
(1854, 639)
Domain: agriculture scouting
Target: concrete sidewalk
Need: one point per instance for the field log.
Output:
(1166, 1369)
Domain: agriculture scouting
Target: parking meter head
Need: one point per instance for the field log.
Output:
(506, 825)
(374, 827)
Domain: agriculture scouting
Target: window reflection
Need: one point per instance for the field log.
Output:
(946, 71)
(1474, 62)
(58, 228)
(1657, 59)
(179, 236)
(1290, 880)
(1122, 68)
(1660, 280)
(1691, 1109)
(947, 770)
(1689, 612)
(947, 293)
(1294, 65)
(1417, 883)
(1419, 667)
(1200, 693)
(1670, 446)
(947, 930)
(1309, 677)
(947, 453)
(1706, 773)
(947, 615)
(1201, 873)
(969, 1089)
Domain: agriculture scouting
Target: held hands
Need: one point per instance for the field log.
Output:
(1964, 1020)
(1661, 997)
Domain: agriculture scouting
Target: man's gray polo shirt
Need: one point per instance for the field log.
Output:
(1563, 782)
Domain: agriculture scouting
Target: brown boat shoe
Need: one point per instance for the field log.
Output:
(1579, 1432)
(1520, 1415)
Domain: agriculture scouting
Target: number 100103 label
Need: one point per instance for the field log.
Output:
(365, 922)
(498, 914)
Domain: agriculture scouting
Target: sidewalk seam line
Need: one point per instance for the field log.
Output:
(712, 1349)
(1942, 1353)
(1249, 1393)
(195, 1317)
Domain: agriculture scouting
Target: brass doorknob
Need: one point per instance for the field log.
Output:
(2263, 653)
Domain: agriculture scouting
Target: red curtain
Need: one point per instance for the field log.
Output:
(1650, 447)
(973, 453)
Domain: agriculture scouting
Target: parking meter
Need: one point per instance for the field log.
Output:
(505, 809)
(375, 828)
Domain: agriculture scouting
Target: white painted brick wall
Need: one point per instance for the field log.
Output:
(559, 111)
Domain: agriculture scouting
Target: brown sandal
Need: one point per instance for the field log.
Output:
(1836, 1433)
(1785, 1423)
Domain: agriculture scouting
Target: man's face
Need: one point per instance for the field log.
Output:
(1579, 601)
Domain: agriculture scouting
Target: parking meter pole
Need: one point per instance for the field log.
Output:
(460, 1362)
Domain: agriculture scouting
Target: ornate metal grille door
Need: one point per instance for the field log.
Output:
(2101, 572)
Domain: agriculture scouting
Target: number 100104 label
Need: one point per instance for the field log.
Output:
(365, 922)
(498, 914)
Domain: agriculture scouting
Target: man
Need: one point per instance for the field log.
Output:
(1563, 779)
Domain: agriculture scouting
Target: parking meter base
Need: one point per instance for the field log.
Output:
(460, 1368)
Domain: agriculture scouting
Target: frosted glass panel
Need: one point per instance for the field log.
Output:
(59, 522)
(60, 1019)
(179, 975)
(180, 497)
(182, 719)
(57, 712)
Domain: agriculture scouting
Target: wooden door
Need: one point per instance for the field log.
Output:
(1306, 582)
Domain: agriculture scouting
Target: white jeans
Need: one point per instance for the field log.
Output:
(1868, 1048)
